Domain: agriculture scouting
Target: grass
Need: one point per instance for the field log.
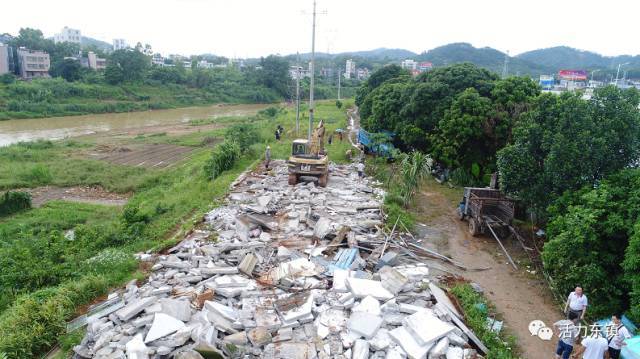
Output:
(63, 164)
(58, 275)
(475, 310)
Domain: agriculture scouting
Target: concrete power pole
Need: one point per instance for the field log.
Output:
(297, 94)
(312, 70)
(339, 77)
(505, 66)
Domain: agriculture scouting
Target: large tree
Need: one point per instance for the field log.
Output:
(377, 79)
(126, 66)
(565, 143)
(274, 74)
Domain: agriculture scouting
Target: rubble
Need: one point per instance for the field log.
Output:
(293, 272)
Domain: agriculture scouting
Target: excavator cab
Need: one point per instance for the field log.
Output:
(308, 158)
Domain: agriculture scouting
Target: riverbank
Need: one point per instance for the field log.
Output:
(56, 97)
(44, 267)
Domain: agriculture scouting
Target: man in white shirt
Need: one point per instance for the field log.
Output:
(617, 337)
(594, 346)
(568, 332)
(576, 302)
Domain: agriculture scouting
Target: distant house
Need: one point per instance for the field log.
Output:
(362, 74)
(409, 64)
(119, 44)
(95, 62)
(33, 63)
(204, 64)
(349, 69)
(157, 60)
(5, 59)
(424, 66)
(295, 70)
(68, 35)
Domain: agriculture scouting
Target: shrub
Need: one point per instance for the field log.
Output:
(33, 324)
(244, 134)
(223, 158)
(476, 318)
(13, 202)
(38, 175)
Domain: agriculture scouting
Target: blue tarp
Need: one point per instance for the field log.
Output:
(632, 349)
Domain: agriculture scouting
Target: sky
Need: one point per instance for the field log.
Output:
(253, 28)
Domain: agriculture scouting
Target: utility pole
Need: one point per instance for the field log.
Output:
(339, 77)
(312, 70)
(297, 94)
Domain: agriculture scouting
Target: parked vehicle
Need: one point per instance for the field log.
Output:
(373, 144)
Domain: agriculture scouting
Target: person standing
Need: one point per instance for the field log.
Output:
(595, 345)
(576, 302)
(267, 157)
(617, 337)
(330, 139)
(360, 168)
(568, 333)
(277, 134)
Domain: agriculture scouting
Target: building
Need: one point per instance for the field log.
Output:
(119, 44)
(68, 35)
(157, 60)
(362, 74)
(424, 66)
(546, 82)
(5, 63)
(187, 64)
(96, 62)
(204, 64)
(349, 69)
(409, 64)
(33, 63)
(295, 70)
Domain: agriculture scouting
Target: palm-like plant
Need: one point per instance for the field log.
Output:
(414, 167)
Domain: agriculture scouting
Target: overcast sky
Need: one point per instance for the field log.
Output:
(251, 28)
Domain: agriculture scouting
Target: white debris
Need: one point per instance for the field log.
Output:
(365, 287)
(163, 325)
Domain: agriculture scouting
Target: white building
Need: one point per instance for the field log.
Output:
(362, 74)
(157, 59)
(349, 69)
(119, 44)
(68, 35)
(95, 62)
(204, 64)
(409, 64)
(295, 70)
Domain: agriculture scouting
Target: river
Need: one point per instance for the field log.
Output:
(57, 128)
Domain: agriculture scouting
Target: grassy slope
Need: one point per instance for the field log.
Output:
(173, 201)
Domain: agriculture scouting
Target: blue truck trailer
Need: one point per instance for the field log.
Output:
(374, 146)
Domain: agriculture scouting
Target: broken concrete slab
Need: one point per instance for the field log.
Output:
(162, 326)
(248, 263)
(360, 349)
(392, 279)
(365, 287)
(136, 349)
(259, 336)
(427, 328)
(177, 308)
(409, 344)
(290, 350)
(364, 324)
(368, 305)
(221, 309)
(132, 309)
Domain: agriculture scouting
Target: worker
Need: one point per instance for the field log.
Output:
(568, 333)
(617, 334)
(360, 168)
(330, 139)
(340, 136)
(595, 345)
(348, 154)
(576, 302)
(267, 157)
(277, 134)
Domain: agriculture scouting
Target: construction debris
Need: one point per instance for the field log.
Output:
(294, 272)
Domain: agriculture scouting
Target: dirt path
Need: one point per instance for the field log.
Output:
(518, 296)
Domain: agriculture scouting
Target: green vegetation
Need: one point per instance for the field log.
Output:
(63, 255)
(475, 310)
(33, 164)
(222, 159)
(14, 202)
(568, 160)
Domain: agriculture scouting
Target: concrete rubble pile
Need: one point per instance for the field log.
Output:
(283, 272)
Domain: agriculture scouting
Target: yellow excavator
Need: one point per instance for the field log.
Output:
(309, 159)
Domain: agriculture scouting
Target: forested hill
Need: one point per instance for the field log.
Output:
(567, 57)
(486, 57)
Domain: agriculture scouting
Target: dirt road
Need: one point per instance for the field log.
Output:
(518, 296)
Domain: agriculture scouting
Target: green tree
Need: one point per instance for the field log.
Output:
(377, 79)
(68, 69)
(274, 74)
(126, 66)
(565, 143)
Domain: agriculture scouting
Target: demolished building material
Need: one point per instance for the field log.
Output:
(294, 272)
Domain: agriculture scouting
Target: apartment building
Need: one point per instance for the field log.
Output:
(68, 35)
(119, 44)
(96, 62)
(4, 59)
(33, 63)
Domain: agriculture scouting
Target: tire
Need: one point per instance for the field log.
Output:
(474, 227)
(293, 179)
(322, 181)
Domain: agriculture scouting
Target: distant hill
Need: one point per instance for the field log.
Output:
(564, 57)
(486, 57)
(375, 54)
(102, 45)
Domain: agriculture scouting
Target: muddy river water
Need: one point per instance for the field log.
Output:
(56, 128)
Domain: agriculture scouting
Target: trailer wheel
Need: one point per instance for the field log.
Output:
(474, 227)
(293, 179)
